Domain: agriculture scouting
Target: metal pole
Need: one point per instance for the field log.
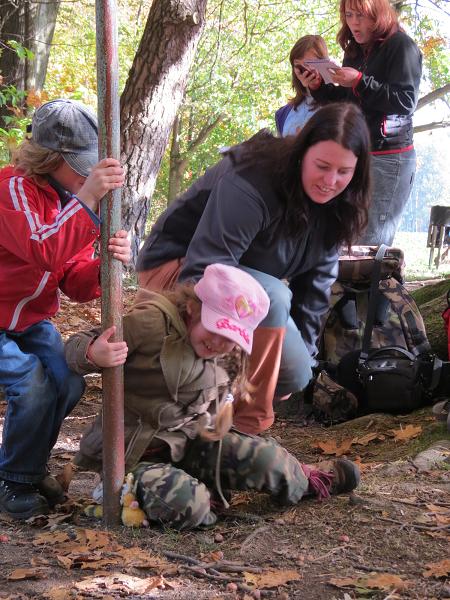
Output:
(111, 269)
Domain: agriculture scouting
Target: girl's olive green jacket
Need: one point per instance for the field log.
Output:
(168, 390)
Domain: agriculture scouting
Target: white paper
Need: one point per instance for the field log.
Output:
(323, 66)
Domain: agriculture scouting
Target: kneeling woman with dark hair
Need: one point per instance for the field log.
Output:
(278, 208)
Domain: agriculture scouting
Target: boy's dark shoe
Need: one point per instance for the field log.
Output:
(21, 500)
(346, 476)
(52, 490)
(333, 477)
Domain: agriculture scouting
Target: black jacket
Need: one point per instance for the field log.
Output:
(234, 216)
(387, 91)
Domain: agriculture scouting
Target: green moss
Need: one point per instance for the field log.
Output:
(431, 292)
(434, 433)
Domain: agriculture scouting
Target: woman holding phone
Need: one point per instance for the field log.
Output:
(381, 72)
(291, 117)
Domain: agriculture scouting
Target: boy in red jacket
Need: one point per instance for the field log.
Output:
(48, 222)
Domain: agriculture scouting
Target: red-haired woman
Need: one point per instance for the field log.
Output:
(381, 72)
(291, 117)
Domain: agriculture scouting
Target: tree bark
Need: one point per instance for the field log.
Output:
(32, 24)
(150, 101)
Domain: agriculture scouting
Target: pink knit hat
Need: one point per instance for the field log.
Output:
(233, 303)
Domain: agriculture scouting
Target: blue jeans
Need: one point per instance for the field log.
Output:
(392, 180)
(40, 391)
(296, 362)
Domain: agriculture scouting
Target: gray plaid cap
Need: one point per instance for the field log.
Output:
(68, 127)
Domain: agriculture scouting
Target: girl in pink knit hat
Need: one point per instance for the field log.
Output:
(180, 444)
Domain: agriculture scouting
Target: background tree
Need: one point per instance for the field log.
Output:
(239, 77)
(26, 32)
(242, 74)
(150, 100)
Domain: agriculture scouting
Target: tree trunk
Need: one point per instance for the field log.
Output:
(150, 101)
(41, 35)
(177, 164)
(31, 24)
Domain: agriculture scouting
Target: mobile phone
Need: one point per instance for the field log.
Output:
(302, 70)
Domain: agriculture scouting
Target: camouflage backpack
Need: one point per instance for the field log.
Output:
(398, 321)
(395, 322)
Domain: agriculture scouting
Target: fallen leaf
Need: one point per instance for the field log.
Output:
(385, 581)
(96, 539)
(332, 447)
(369, 437)
(53, 538)
(57, 593)
(56, 519)
(66, 475)
(39, 561)
(380, 581)
(213, 556)
(271, 578)
(406, 433)
(437, 509)
(362, 466)
(439, 569)
(121, 583)
(18, 574)
(341, 582)
(141, 559)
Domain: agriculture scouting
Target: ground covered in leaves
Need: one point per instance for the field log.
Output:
(389, 540)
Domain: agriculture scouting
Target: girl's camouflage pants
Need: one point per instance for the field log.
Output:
(180, 495)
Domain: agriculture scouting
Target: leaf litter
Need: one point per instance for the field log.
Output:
(305, 553)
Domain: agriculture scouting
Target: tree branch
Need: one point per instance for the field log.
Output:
(430, 126)
(204, 132)
(434, 95)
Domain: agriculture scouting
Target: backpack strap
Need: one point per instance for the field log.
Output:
(373, 301)
(409, 316)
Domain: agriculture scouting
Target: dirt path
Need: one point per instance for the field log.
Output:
(388, 540)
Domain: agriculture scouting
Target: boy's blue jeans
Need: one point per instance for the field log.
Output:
(40, 391)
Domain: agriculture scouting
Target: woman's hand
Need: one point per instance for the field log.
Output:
(104, 353)
(120, 246)
(107, 175)
(310, 79)
(345, 76)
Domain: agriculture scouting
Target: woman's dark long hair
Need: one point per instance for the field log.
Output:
(281, 159)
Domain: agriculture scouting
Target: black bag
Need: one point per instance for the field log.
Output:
(387, 379)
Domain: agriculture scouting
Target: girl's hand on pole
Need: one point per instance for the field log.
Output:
(104, 353)
(120, 247)
(345, 76)
(107, 175)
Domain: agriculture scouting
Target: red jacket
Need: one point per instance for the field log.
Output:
(44, 248)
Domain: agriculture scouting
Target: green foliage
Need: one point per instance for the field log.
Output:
(72, 66)
(22, 52)
(14, 124)
(242, 71)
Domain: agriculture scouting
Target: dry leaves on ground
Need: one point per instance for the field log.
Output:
(380, 581)
(439, 569)
(271, 578)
